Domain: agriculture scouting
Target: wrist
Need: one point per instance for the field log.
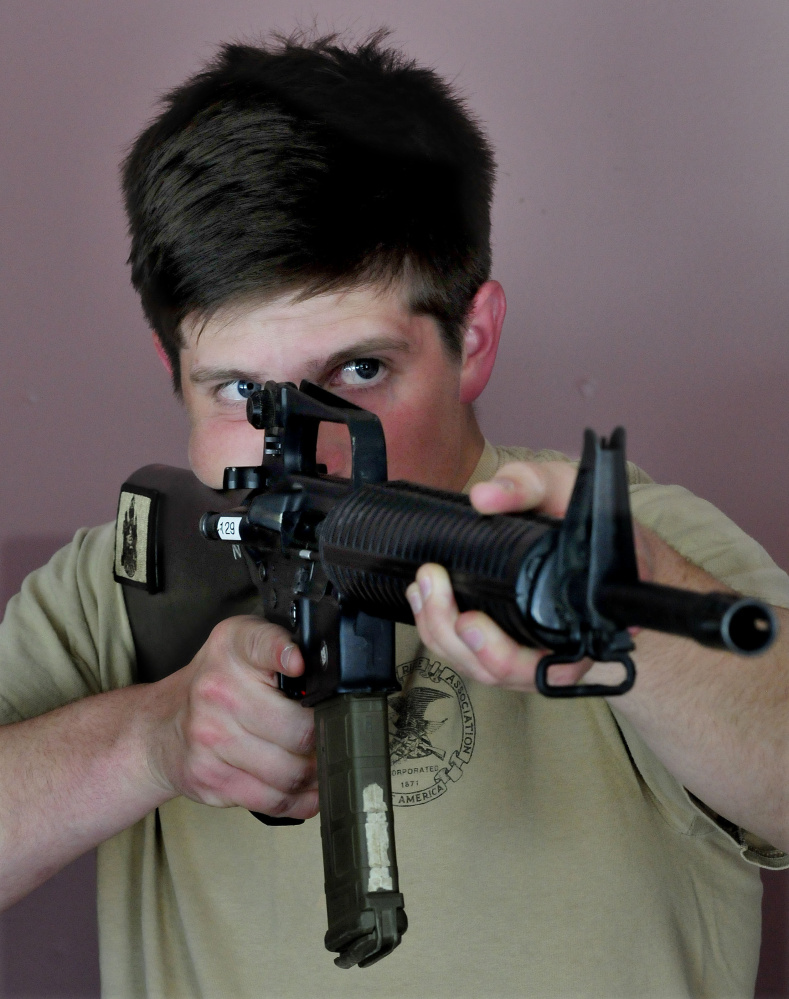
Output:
(160, 740)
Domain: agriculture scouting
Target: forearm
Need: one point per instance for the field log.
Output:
(218, 731)
(71, 779)
(718, 722)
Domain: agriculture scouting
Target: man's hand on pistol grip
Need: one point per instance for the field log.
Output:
(226, 735)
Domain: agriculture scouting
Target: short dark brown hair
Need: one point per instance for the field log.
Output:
(307, 166)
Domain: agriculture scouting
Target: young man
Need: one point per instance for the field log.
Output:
(310, 211)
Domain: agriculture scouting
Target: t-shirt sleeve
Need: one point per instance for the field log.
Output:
(65, 635)
(708, 539)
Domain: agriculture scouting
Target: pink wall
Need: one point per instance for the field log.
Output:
(641, 234)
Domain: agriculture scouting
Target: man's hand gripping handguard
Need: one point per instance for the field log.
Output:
(332, 559)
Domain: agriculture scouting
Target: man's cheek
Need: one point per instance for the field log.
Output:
(215, 445)
(334, 449)
(403, 446)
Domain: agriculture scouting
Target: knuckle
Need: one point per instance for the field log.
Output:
(204, 732)
(213, 689)
(222, 635)
(300, 780)
(207, 778)
(439, 607)
(305, 740)
(277, 803)
(516, 470)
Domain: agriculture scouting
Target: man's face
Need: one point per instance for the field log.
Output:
(363, 345)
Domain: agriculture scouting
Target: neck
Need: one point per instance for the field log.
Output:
(472, 443)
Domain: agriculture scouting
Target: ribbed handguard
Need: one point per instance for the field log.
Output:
(365, 910)
(374, 540)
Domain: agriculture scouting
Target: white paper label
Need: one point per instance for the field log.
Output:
(228, 528)
(377, 836)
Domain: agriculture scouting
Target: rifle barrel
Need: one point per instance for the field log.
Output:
(718, 620)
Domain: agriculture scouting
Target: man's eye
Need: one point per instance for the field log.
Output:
(361, 371)
(237, 391)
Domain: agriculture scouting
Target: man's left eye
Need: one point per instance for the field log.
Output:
(361, 371)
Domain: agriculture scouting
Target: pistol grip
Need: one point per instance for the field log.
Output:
(276, 820)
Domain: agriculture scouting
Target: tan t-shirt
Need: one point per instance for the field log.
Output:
(540, 853)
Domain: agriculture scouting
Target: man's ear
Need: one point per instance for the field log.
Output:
(481, 340)
(162, 354)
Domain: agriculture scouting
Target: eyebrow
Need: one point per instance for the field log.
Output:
(202, 375)
(316, 370)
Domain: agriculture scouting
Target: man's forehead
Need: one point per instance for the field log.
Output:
(294, 311)
(290, 338)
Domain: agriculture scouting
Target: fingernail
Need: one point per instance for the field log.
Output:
(284, 657)
(473, 637)
(425, 587)
(414, 598)
(507, 484)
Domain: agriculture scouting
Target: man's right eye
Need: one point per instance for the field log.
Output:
(237, 391)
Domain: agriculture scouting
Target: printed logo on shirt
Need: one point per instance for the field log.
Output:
(431, 731)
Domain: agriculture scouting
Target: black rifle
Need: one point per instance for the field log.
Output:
(332, 559)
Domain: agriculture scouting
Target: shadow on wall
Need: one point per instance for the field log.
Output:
(48, 941)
